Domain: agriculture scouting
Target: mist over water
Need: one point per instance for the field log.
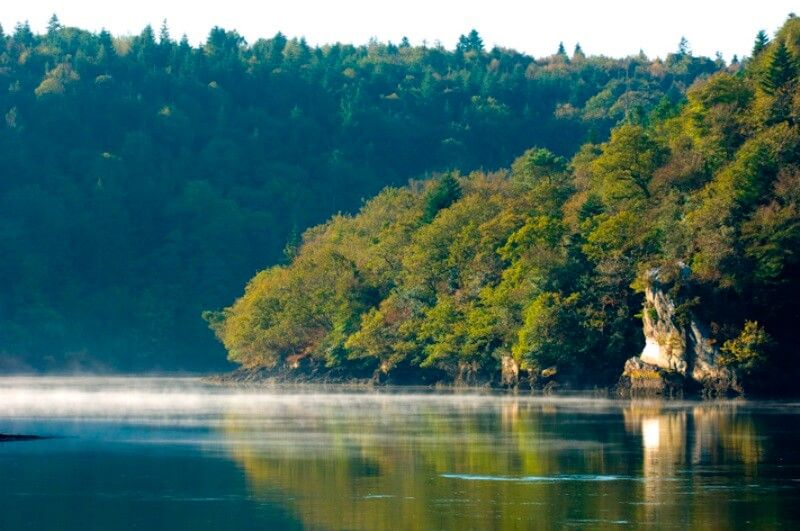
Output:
(158, 453)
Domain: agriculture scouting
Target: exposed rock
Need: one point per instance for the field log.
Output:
(675, 346)
(469, 373)
(639, 377)
(665, 344)
(509, 371)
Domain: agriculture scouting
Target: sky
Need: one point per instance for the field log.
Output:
(610, 27)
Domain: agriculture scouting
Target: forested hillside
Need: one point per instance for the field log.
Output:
(144, 179)
(546, 262)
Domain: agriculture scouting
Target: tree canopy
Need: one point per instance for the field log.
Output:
(546, 262)
(145, 179)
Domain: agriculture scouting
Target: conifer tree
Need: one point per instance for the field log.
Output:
(475, 41)
(761, 42)
(53, 25)
(470, 42)
(163, 36)
(444, 193)
(780, 71)
(683, 47)
(23, 34)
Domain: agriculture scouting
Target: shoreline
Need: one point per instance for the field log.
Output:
(264, 378)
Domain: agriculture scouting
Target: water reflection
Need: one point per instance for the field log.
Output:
(512, 465)
(709, 451)
(380, 461)
(425, 466)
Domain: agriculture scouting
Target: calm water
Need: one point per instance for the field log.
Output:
(175, 454)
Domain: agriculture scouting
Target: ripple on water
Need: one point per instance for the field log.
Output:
(540, 479)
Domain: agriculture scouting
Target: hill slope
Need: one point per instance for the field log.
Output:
(546, 263)
(144, 179)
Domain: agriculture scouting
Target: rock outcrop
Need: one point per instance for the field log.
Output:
(675, 348)
(509, 371)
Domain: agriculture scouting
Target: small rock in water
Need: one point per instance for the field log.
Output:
(19, 437)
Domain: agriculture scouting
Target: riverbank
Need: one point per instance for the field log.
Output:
(266, 377)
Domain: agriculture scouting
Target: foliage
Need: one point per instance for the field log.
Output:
(749, 350)
(544, 262)
(443, 194)
(780, 70)
(145, 179)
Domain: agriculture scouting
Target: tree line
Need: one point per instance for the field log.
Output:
(546, 261)
(145, 179)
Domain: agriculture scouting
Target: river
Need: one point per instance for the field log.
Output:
(175, 453)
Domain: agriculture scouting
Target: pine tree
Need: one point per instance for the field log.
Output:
(475, 41)
(105, 48)
(780, 71)
(23, 34)
(561, 49)
(147, 37)
(578, 53)
(470, 42)
(53, 25)
(442, 194)
(761, 42)
(683, 47)
(163, 36)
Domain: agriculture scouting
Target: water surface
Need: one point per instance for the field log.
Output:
(157, 453)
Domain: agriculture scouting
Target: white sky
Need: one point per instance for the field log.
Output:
(610, 27)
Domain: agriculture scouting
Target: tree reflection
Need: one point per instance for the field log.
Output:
(508, 464)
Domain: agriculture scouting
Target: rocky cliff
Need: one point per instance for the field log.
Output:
(679, 350)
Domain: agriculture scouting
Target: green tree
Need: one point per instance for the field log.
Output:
(551, 333)
(444, 192)
(761, 43)
(53, 25)
(470, 42)
(163, 34)
(683, 47)
(626, 165)
(780, 70)
(749, 351)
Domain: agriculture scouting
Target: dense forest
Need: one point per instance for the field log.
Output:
(545, 262)
(145, 179)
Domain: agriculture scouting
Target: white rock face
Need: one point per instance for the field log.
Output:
(655, 354)
(665, 342)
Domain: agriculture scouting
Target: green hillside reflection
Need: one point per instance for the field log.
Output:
(509, 464)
